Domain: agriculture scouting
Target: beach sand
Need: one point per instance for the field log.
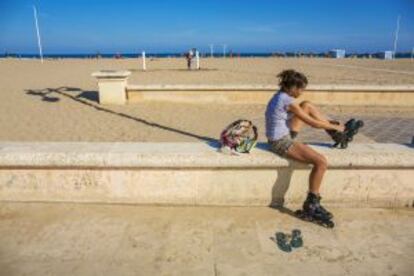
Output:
(57, 100)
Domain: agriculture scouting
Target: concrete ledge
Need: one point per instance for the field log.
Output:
(114, 89)
(273, 88)
(355, 95)
(111, 74)
(376, 175)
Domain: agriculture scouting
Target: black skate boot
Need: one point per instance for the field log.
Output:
(351, 128)
(335, 135)
(329, 214)
(313, 211)
(343, 138)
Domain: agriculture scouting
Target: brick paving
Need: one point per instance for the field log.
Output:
(376, 130)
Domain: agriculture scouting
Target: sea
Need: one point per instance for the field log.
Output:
(177, 55)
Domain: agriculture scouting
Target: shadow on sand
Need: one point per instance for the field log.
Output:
(280, 188)
(283, 180)
(90, 98)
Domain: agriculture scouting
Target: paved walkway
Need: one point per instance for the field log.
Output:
(76, 239)
(377, 129)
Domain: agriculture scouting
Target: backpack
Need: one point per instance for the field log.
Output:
(238, 137)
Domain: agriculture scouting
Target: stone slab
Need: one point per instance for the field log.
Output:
(372, 175)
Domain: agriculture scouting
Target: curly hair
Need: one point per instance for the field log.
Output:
(289, 79)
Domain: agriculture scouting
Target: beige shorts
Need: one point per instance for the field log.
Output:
(281, 146)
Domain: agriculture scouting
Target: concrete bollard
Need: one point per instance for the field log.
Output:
(144, 62)
(112, 86)
(197, 60)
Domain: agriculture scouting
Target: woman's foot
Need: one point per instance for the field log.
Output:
(332, 132)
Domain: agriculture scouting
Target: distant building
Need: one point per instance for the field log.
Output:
(337, 53)
(387, 55)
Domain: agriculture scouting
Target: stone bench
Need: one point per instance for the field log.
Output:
(373, 175)
(114, 89)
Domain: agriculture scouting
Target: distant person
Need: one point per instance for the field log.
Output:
(284, 120)
(189, 56)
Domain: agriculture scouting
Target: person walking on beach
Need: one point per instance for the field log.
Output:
(189, 56)
(284, 120)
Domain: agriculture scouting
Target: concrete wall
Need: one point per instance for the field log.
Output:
(114, 89)
(376, 175)
(323, 94)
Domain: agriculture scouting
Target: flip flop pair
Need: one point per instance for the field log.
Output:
(296, 240)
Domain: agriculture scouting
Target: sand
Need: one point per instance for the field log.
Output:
(57, 100)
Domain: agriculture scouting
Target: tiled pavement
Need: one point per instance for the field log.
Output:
(376, 130)
(389, 130)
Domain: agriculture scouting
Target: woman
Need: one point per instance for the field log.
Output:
(284, 120)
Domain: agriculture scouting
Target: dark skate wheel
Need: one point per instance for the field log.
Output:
(352, 127)
(358, 125)
(299, 213)
(303, 216)
(349, 123)
(354, 132)
(325, 223)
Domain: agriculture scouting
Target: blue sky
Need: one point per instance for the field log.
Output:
(87, 26)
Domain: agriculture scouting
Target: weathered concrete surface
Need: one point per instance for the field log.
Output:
(376, 175)
(112, 86)
(189, 155)
(85, 239)
(259, 87)
(351, 95)
(114, 89)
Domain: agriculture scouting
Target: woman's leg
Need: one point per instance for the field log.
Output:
(296, 123)
(306, 154)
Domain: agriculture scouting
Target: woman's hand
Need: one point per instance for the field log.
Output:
(340, 127)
